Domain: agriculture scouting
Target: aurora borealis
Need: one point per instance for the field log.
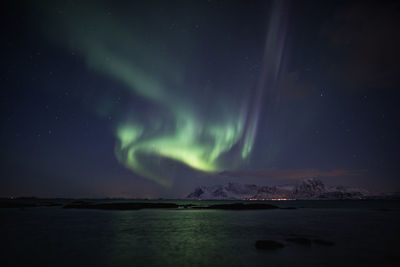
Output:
(150, 98)
(184, 133)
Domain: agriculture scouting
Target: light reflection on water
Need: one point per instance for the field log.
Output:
(54, 236)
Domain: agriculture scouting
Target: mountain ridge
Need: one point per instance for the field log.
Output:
(310, 188)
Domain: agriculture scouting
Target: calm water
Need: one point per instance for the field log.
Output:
(50, 236)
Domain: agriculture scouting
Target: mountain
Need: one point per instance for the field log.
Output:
(311, 188)
(227, 191)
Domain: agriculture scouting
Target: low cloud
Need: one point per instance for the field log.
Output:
(291, 173)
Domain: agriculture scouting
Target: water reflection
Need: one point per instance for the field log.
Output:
(168, 238)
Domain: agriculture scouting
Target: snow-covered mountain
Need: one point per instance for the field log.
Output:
(227, 191)
(305, 189)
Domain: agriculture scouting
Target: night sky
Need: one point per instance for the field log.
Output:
(153, 98)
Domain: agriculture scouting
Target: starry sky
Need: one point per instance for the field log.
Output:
(150, 99)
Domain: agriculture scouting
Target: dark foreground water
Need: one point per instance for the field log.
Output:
(365, 233)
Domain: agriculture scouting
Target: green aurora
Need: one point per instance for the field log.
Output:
(152, 66)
